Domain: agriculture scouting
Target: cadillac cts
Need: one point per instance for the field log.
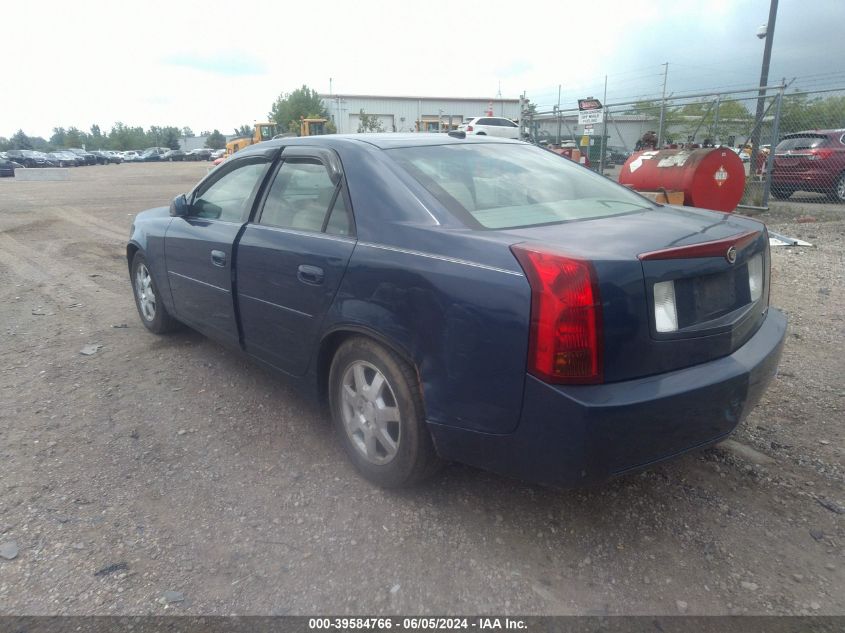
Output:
(477, 300)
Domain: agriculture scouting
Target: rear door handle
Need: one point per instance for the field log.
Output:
(218, 258)
(310, 274)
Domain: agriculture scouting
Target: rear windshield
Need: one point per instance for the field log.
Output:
(808, 141)
(496, 186)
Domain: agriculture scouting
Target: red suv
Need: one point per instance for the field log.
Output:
(810, 161)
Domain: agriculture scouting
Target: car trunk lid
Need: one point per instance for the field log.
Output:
(705, 259)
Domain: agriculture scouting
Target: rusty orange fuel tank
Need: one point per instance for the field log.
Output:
(712, 178)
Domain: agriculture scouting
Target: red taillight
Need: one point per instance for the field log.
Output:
(565, 344)
(469, 128)
(818, 154)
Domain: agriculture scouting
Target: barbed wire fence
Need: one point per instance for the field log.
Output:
(811, 156)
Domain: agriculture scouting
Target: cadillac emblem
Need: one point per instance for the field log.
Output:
(731, 255)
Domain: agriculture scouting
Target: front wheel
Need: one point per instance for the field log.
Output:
(378, 413)
(154, 315)
(838, 193)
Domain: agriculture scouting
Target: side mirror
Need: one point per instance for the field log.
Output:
(179, 206)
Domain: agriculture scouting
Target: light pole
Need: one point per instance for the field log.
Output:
(768, 32)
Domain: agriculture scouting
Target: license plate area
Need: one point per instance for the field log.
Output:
(708, 297)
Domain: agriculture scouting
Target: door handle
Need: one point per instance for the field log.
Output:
(310, 274)
(218, 258)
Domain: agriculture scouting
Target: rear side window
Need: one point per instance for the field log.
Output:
(486, 122)
(808, 141)
(304, 197)
(496, 186)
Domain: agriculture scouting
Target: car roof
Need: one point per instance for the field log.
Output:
(386, 140)
(814, 132)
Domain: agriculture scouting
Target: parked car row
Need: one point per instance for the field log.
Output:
(76, 157)
(73, 157)
(157, 154)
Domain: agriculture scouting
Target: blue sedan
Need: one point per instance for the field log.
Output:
(474, 299)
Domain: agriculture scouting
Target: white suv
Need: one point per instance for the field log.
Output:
(492, 126)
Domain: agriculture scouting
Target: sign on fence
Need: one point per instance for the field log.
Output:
(590, 111)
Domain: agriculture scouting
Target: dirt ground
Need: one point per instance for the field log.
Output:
(169, 475)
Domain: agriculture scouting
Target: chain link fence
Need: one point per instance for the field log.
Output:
(797, 148)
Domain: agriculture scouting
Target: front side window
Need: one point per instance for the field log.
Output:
(510, 186)
(226, 197)
(301, 196)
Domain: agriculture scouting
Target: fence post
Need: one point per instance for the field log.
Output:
(557, 114)
(715, 132)
(770, 159)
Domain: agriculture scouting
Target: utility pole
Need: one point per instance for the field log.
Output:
(764, 79)
(662, 107)
(501, 103)
(603, 127)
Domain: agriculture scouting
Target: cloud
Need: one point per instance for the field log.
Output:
(227, 63)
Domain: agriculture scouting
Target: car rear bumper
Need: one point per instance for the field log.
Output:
(575, 435)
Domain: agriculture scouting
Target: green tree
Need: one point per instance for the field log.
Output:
(58, 137)
(215, 140)
(186, 131)
(40, 144)
(123, 137)
(698, 119)
(20, 140)
(169, 137)
(5, 144)
(369, 122)
(290, 107)
(95, 139)
(244, 130)
(802, 112)
(74, 137)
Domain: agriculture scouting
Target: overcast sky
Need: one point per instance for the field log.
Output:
(215, 64)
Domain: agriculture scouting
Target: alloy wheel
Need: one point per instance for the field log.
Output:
(370, 413)
(145, 293)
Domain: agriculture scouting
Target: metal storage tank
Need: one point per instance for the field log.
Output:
(711, 178)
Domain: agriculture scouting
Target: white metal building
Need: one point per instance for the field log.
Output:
(413, 114)
(623, 130)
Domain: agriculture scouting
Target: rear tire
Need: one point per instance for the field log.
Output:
(378, 413)
(154, 315)
(782, 193)
(838, 193)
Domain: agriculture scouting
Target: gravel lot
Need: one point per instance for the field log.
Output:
(169, 475)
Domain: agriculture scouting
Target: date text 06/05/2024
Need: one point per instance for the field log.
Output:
(415, 624)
